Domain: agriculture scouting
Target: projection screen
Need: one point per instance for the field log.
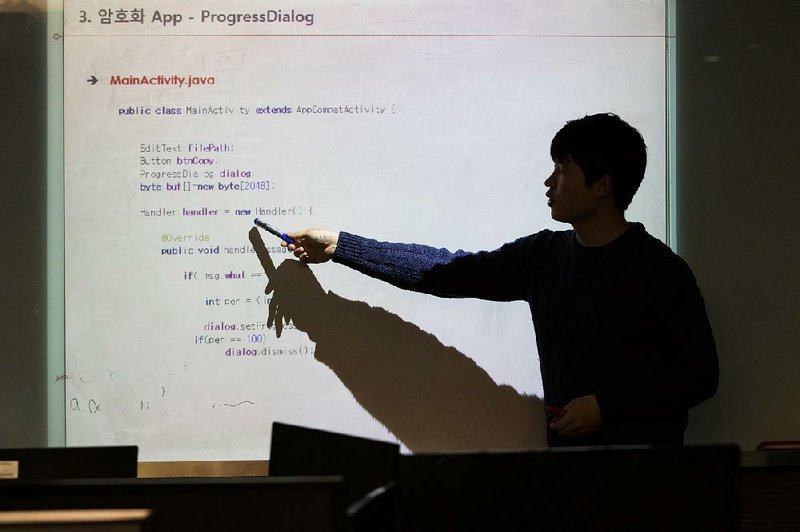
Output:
(419, 121)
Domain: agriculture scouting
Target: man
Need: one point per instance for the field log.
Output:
(625, 346)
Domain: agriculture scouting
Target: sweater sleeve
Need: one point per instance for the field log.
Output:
(499, 275)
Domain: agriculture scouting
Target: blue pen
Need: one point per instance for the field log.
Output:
(266, 227)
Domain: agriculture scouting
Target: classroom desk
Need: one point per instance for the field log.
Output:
(307, 504)
(770, 491)
(236, 494)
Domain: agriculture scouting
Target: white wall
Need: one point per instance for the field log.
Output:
(739, 188)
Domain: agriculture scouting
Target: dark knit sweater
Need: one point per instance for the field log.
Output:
(625, 321)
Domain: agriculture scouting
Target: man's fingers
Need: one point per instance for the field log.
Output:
(567, 425)
(581, 417)
(273, 308)
(567, 429)
(560, 424)
(279, 317)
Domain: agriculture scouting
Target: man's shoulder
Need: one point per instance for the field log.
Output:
(656, 256)
(545, 241)
(549, 236)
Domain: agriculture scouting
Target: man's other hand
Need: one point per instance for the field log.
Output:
(581, 417)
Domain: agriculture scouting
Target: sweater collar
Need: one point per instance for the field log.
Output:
(635, 230)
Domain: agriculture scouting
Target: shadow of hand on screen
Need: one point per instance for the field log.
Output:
(430, 396)
(297, 298)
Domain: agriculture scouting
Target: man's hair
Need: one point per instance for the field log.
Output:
(604, 144)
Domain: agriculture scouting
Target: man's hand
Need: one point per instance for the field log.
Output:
(313, 246)
(581, 417)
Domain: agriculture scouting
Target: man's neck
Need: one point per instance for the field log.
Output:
(599, 232)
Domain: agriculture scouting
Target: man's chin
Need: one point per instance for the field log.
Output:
(558, 217)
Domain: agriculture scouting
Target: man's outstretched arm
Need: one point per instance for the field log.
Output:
(500, 275)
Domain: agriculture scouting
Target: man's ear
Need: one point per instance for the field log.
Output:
(603, 187)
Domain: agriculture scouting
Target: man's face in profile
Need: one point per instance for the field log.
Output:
(568, 197)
